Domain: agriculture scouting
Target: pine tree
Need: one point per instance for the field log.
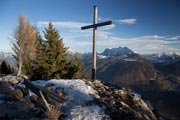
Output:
(76, 69)
(57, 54)
(52, 60)
(5, 68)
(40, 70)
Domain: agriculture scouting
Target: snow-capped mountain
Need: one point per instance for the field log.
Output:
(168, 57)
(123, 52)
(117, 51)
(4, 55)
(71, 53)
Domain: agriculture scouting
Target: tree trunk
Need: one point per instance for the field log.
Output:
(20, 65)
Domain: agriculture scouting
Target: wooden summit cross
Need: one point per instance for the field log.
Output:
(94, 26)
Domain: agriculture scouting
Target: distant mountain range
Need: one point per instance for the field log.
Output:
(4, 55)
(123, 52)
(169, 57)
(121, 66)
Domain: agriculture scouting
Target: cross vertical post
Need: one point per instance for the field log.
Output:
(94, 44)
(94, 26)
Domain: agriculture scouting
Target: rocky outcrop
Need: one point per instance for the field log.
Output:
(14, 101)
(122, 104)
(12, 78)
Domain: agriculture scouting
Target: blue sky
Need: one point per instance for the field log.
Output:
(145, 26)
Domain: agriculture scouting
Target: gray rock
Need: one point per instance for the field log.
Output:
(11, 78)
(6, 87)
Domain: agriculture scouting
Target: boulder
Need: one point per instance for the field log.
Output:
(11, 78)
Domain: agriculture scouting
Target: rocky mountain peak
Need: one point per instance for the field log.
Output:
(117, 51)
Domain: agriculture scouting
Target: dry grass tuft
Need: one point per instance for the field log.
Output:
(53, 113)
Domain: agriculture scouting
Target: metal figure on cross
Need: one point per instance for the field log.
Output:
(95, 25)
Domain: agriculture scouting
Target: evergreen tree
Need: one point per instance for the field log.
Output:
(57, 59)
(5, 68)
(52, 60)
(40, 70)
(76, 69)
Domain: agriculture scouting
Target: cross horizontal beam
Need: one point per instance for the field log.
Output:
(96, 25)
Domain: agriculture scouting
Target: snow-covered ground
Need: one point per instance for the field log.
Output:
(87, 113)
(78, 93)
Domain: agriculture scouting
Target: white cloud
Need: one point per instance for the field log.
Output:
(175, 38)
(102, 19)
(127, 21)
(69, 25)
(81, 40)
(120, 21)
(107, 27)
(148, 44)
(142, 44)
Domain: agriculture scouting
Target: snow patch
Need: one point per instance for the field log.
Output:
(76, 89)
(78, 93)
(87, 113)
(40, 82)
(129, 59)
(11, 88)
